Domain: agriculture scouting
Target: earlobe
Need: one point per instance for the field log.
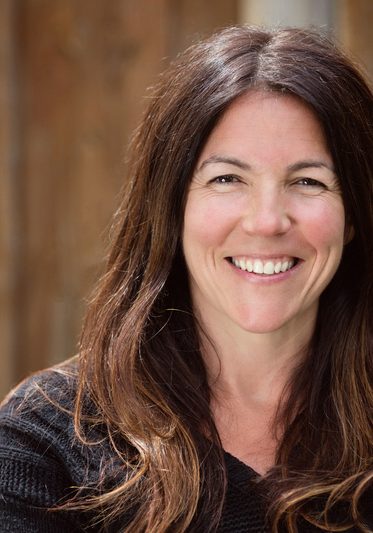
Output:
(349, 233)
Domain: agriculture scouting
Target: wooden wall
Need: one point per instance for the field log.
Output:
(73, 75)
(355, 24)
(73, 80)
(8, 214)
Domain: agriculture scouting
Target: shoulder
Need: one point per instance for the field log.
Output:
(41, 458)
(42, 461)
(53, 385)
(41, 407)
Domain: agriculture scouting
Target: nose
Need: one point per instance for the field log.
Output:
(267, 214)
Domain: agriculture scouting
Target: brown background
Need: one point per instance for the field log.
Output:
(73, 79)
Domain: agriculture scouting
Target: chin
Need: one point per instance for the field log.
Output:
(259, 326)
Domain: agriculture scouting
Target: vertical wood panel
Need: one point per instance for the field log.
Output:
(189, 20)
(8, 242)
(81, 80)
(83, 68)
(355, 19)
(287, 12)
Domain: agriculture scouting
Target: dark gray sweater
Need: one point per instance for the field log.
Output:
(41, 462)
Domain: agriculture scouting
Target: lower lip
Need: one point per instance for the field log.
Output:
(266, 278)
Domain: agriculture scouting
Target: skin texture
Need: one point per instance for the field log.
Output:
(263, 188)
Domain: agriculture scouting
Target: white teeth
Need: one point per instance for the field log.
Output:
(260, 267)
(269, 268)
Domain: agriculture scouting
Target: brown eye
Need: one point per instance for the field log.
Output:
(310, 182)
(225, 179)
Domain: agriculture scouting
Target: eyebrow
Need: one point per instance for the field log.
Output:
(299, 165)
(223, 159)
(310, 163)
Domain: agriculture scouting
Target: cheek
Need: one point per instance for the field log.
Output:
(207, 223)
(324, 225)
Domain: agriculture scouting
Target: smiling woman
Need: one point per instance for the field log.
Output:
(264, 221)
(224, 381)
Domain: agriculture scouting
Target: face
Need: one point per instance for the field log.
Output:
(264, 220)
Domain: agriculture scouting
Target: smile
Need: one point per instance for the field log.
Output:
(266, 267)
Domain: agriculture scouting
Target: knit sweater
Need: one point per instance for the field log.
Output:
(41, 460)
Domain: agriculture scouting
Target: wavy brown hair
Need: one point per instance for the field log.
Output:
(140, 360)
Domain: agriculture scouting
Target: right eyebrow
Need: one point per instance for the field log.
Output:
(224, 159)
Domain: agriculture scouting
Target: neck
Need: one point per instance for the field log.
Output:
(248, 374)
(253, 367)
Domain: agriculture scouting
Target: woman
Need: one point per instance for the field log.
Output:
(224, 376)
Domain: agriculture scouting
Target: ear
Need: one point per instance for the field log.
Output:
(349, 233)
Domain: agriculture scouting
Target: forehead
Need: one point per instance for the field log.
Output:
(263, 124)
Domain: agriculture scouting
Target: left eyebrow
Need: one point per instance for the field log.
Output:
(309, 163)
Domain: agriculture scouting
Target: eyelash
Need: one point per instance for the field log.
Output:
(310, 183)
(225, 179)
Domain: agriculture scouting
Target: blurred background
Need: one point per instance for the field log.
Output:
(73, 79)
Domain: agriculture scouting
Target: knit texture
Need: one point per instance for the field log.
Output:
(42, 463)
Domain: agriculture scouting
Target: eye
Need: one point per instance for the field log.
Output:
(225, 179)
(310, 182)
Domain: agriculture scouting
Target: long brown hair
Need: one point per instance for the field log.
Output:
(140, 351)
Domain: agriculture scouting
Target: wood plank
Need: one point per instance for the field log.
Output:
(355, 21)
(190, 20)
(80, 97)
(8, 239)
